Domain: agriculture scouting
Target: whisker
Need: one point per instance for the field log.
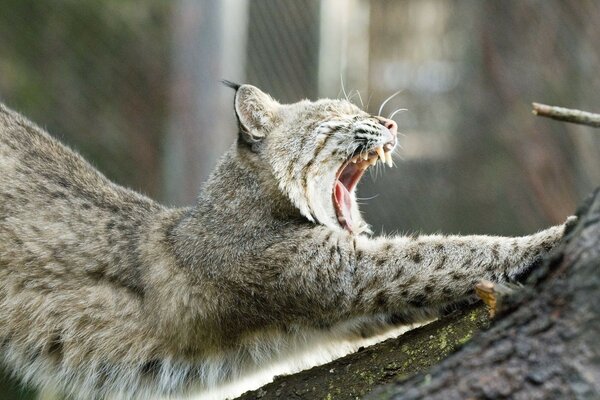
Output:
(396, 153)
(362, 105)
(367, 198)
(386, 100)
(369, 100)
(351, 148)
(396, 112)
(374, 172)
(351, 95)
(343, 88)
(361, 154)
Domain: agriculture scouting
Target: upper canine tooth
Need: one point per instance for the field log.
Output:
(388, 159)
(373, 160)
(381, 153)
(365, 156)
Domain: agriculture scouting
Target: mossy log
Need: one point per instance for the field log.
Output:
(357, 374)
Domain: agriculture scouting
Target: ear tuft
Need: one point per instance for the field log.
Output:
(233, 85)
(256, 111)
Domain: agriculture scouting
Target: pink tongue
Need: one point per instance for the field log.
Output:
(343, 199)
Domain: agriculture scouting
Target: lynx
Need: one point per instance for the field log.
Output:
(107, 294)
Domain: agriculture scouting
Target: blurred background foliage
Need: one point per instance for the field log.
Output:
(134, 87)
(95, 74)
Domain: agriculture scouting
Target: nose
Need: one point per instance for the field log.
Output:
(389, 124)
(392, 131)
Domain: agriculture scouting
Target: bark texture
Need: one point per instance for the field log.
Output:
(543, 344)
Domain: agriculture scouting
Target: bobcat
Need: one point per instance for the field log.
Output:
(108, 294)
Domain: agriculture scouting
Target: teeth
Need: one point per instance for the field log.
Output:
(381, 154)
(388, 159)
(364, 160)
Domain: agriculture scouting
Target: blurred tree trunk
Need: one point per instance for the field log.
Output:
(543, 345)
(208, 46)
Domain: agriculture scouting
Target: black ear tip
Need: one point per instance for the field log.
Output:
(233, 85)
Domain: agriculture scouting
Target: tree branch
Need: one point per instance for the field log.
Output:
(357, 374)
(567, 115)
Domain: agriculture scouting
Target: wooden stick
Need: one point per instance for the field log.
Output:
(485, 291)
(567, 114)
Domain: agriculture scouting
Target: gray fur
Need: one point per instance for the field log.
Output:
(105, 293)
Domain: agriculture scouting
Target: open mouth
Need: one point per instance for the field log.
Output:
(348, 176)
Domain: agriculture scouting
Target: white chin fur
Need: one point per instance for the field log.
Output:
(320, 192)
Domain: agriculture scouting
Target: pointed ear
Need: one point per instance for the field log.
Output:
(256, 112)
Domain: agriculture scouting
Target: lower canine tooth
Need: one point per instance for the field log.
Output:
(388, 159)
(373, 161)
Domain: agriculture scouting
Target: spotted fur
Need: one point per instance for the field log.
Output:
(106, 294)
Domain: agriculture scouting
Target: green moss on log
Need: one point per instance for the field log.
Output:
(357, 374)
